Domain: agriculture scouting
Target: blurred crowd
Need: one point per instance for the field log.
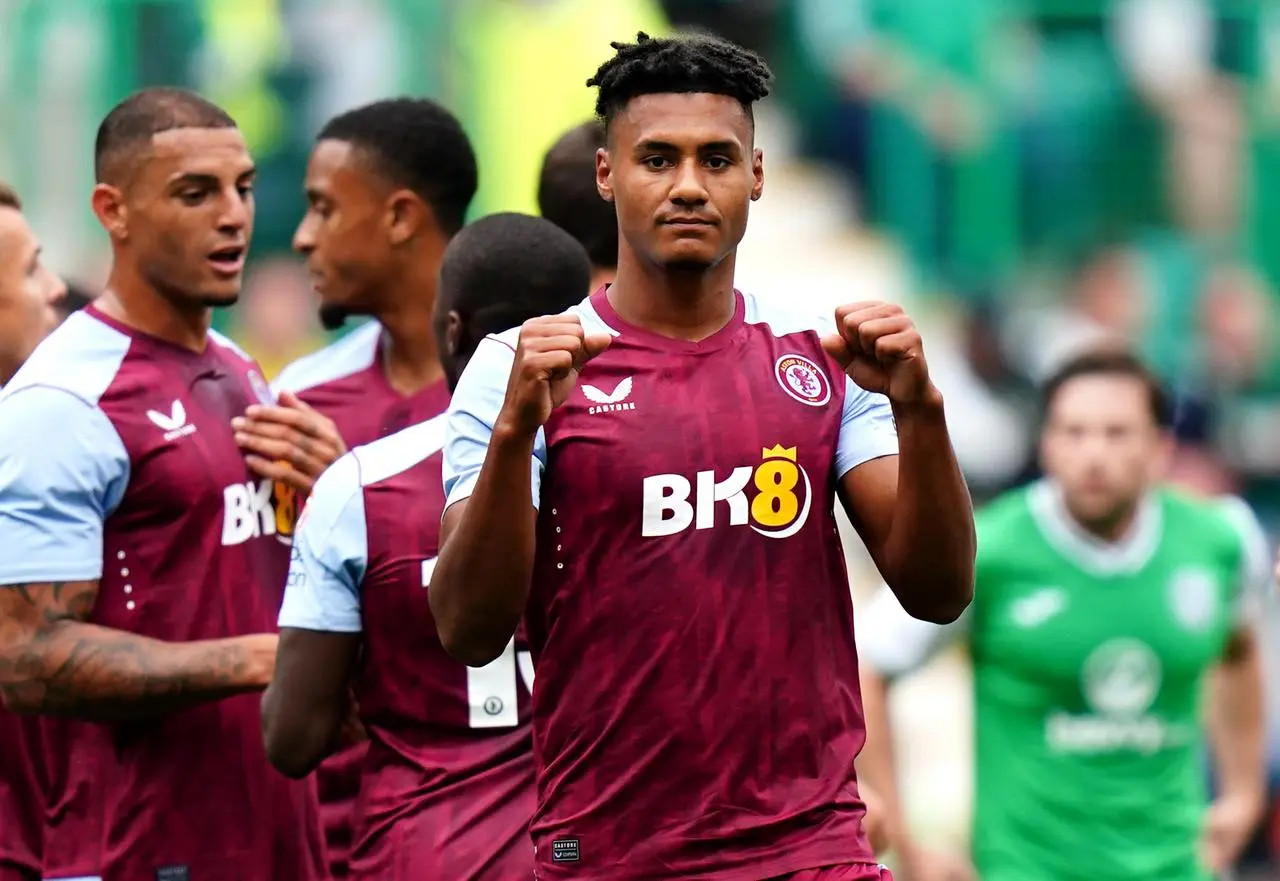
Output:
(1036, 176)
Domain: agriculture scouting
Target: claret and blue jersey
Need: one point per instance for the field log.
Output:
(697, 708)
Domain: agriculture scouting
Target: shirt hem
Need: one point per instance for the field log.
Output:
(759, 869)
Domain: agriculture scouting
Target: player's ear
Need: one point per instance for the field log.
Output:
(1161, 461)
(604, 175)
(452, 333)
(109, 207)
(757, 172)
(407, 215)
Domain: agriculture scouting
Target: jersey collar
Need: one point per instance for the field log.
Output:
(1124, 557)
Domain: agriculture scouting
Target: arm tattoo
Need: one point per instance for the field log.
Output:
(53, 662)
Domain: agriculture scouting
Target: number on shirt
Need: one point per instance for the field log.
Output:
(491, 689)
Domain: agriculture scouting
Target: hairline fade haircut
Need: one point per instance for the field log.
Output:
(417, 144)
(140, 117)
(567, 194)
(537, 267)
(9, 197)
(678, 65)
(1117, 362)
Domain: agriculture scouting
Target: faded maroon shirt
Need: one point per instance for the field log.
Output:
(447, 788)
(345, 381)
(697, 710)
(118, 463)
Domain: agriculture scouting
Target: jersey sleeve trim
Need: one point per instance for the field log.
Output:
(330, 555)
(894, 643)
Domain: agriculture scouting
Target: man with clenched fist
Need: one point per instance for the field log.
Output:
(646, 481)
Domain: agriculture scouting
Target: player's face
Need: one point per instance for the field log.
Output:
(1102, 445)
(29, 292)
(343, 232)
(187, 214)
(682, 171)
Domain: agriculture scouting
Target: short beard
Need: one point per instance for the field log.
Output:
(333, 316)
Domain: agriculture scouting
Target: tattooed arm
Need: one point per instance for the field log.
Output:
(53, 662)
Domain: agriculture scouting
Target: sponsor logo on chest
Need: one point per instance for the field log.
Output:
(780, 498)
(258, 508)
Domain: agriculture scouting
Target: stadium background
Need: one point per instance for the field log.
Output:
(1024, 175)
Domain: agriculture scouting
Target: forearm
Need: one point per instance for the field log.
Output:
(297, 743)
(1237, 724)
(481, 580)
(72, 668)
(928, 557)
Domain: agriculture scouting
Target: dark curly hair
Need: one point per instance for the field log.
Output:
(654, 66)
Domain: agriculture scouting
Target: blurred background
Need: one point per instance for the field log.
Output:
(1026, 176)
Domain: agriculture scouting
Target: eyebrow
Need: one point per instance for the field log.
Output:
(194, 178)
(709, 147)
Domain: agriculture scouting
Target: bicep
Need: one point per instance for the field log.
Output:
(31, 614)
(28, 609)
(868, 493)
(867, 465)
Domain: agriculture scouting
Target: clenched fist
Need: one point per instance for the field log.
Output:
(549, 357)
(879, 348)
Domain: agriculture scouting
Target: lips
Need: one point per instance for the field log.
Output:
(688, 221)
(228, 260)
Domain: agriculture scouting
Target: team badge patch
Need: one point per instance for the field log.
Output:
(803, 380)
(260, 388)
(1194, 597)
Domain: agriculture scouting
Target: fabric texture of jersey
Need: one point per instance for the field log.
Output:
(697, 711)
(345, 382)
(447, 787)
(1088, 661)
(119, 464)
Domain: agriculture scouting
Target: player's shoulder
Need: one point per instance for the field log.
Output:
(82, 359)
(393, 455)
(787, 317)
(354, 352)
(1225, 519)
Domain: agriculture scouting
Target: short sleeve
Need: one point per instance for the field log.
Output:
(330, 555)
(893, 643)
(867, 429)
(1256, 573)
(472, 413)
(63, 471)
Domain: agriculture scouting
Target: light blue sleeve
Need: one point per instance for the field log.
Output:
(867, 429)
(63, 471)
(330, 555)
(472, 413)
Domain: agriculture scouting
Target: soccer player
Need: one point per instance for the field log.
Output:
(1104, 600)
(567, 196)
(388, 186)
(143, 563)
(447, 784)
(649, 480)
(29, 299)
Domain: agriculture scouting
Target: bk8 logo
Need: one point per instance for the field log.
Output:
(778, 507)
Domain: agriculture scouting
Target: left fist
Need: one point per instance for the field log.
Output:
(879, 348)
(290, 442)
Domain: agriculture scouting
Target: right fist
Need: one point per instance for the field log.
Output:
(549, 357)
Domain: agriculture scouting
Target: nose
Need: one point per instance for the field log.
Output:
(688, 187)
(57, 289)
(304, 237)
(235, 214)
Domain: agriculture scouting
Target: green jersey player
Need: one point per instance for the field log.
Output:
(1104, 601)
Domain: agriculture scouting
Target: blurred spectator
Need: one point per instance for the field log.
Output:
(277, 321)
(1106, 301)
